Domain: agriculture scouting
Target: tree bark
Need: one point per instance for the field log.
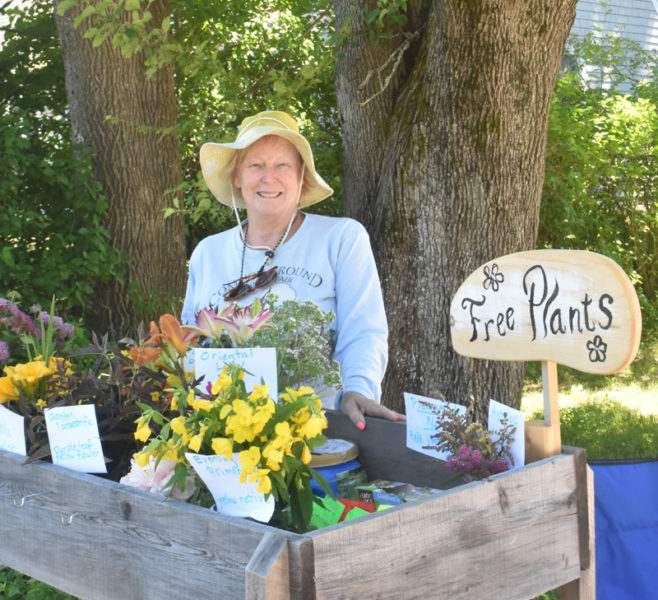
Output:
(134, 164)
(443, 162)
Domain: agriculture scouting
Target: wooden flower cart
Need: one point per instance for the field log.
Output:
(515, 535)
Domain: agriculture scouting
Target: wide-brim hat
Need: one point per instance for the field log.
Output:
(217, 159)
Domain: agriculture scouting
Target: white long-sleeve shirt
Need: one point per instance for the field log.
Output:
(328, 261)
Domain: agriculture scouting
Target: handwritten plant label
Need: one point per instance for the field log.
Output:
(12, 435)
(222, 477)
(74, 439)
(497, 411)
(421, 423)
(257, 362)
(571, 307)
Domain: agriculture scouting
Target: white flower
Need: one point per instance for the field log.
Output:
(155, 480)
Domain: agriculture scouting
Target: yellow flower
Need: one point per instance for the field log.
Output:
(173, 380)
(7, 390)
(273, 456)
(283, 434)
(195, 442)
(143, 431)
(222, 447)
(264, 483)
(41, 403)
(260, 392)
(241, 423)
(313, 427)
(28, 374)
(249, 459)
(305, 390)
(224, 381)
(306, 455)
(199, 404)
(178, 425)
(225, 410)
(301, 416)
(142, 458)
(263, 414)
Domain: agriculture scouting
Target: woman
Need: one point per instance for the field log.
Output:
(269, 170)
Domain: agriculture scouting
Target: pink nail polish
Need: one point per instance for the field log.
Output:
(361, 425)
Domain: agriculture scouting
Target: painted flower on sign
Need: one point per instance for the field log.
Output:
(598, 349)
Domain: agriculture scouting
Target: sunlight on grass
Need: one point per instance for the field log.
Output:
(635, 397)
(611, 417)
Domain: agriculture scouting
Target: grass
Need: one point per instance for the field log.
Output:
(612, 416)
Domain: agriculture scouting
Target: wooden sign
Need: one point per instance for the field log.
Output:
(572, 307)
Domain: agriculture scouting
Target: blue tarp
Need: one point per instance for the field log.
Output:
(626, 529)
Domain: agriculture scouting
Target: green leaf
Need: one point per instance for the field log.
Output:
(64, 6)
(6, 256)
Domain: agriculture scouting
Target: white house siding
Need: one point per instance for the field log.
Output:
(634, 19)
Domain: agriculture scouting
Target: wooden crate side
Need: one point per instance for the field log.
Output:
(98, 539)
(584, 588)
(267, 574)
(513, 536)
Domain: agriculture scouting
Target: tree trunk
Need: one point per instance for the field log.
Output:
(134, 164)
(443, 162)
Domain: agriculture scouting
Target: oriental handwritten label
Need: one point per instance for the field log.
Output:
(258, 363)
(568, 306)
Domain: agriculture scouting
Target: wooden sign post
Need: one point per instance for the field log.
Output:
(570, 307)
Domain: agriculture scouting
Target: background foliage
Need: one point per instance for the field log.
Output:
(601, 186)
(234, 58)
(51, 236)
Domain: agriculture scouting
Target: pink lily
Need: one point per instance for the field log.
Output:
(208, 324)
(242, 323)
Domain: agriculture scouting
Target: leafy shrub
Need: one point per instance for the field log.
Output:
(608, 429)
(51, 238)
(601, 186)
(15, 586)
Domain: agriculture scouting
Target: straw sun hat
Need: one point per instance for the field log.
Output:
(217, 159)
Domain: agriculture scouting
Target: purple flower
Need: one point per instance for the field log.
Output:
(63, 331)
(500, 465)
(15, 319)
(4, 350)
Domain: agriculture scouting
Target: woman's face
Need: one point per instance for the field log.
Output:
(269, 175)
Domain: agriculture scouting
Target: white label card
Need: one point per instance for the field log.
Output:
(421, 423)
(12, 434)
(258, 363)
(74, 438)
(222, 477)
(517, 418)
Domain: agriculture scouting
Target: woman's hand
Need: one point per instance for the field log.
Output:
(356, 407)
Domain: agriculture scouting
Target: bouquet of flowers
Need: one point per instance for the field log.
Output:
(273, 440)
(474, 452)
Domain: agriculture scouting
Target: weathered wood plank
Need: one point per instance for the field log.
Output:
(267, 574)
(98, 539)
(584, 588)
(513, 536)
